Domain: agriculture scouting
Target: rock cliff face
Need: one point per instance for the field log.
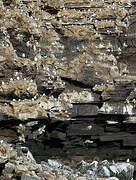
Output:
(17, 163)
(67, 77)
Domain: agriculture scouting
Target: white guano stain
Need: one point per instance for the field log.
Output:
(128, 109)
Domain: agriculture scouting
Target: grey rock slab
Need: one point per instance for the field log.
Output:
(103, 171)
(29, 178)
(130, 141)
(54, 164)
(123, 171)
(8, 170)
(78, 130)
(30, 156)
(112, 129)
(81, 178)
(85, 110)
(108, 137)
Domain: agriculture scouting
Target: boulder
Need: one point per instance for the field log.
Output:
(122, 171)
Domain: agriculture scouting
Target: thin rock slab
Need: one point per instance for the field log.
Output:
(29, 178)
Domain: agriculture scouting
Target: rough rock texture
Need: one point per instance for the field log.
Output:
(18, 163)
(67, 77)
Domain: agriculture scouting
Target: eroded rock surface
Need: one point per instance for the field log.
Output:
(67, 77)
(17, 162)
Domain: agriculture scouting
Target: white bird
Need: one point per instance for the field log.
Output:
(128, 160)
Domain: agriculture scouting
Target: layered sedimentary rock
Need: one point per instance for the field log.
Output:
(67, 77)
(18, 163)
